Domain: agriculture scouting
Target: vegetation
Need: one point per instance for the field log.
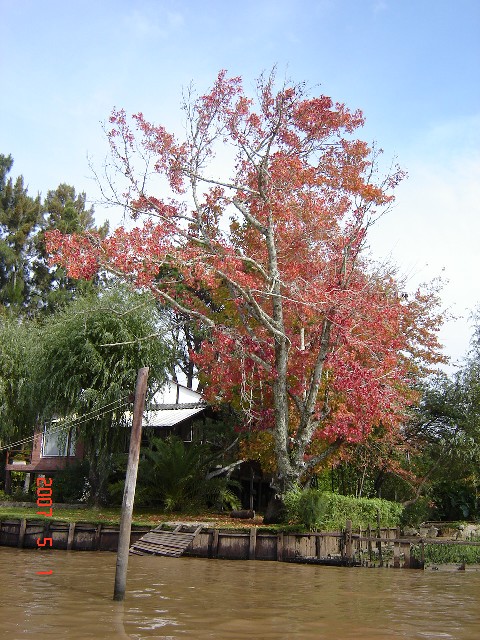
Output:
(28, 285)
(69, 346)
(86, 365)
(317, 510)
(147, 516)
(448, 553)
(177, 477)
(311, 340)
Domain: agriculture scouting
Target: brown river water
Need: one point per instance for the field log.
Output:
(190, 598)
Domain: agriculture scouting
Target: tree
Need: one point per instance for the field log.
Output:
(28, 285)
(318, 343)
(20, 216)
(86, 366)
(17, 346)
(65, 210)
(444, 439)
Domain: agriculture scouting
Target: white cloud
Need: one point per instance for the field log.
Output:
(150, 25)
(434, 229)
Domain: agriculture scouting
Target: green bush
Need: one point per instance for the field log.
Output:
(328, 511)
(414, 514)
(454, 500)
(175, 475)
(71, 484)
(448, 553)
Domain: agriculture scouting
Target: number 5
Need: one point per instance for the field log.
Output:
(45, 540)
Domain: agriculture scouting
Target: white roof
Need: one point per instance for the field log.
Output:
(172, 405)
(169, 417)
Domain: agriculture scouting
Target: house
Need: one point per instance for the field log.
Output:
(173, 410)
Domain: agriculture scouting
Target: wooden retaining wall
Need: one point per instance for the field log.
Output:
(383, 547)
(75, 536)
(339, 548)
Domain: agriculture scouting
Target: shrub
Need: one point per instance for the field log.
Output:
(314, 509)
(417, 512)
(448, 553)
(71, 484)
(176, 475)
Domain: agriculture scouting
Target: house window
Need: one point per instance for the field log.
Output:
(55, 442)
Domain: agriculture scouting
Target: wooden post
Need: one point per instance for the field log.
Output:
(130, 484)
(280, 547)
(215, 543)
(21, 533)
(252, 477)
(379, 543)
(348, 542)
(98, 534)
(252, 547)
(369, 536)
(71, 534)
(396, 554)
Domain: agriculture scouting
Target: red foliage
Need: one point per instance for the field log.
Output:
(270, 249)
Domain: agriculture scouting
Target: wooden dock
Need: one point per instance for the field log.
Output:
(159, 542)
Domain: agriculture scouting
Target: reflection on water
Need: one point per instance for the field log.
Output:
(187, 598)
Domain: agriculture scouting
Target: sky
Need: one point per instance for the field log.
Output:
(411, 66)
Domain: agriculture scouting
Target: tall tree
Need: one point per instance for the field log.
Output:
(18, 342)
(20, 217)
(86, 363)
(319, 343)
(65, 210)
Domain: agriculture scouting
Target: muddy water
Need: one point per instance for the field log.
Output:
(189, 598)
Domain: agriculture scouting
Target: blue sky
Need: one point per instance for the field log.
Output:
(412, 66)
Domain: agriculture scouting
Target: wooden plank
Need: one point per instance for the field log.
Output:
(154, 543)
(156, 551)
(175, 538)
(166, 543)
(153, 548)
(167, 536)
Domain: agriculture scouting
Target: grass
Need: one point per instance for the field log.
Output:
(142, 517)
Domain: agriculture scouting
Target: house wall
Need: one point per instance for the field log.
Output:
(39, 464)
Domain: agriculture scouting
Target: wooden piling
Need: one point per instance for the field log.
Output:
(98, 533)
(280, 547)
(71, 535)
(214, 549)
(130, 484)
(21, 533)
(252, 548)
(348, 542)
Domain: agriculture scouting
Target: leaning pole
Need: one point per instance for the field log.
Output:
(130, 484)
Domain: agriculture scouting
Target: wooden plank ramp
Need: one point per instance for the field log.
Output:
(159, 542)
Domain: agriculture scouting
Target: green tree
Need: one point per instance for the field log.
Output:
(88, 359)
(17, 347)
(67, 211)
(20, 218)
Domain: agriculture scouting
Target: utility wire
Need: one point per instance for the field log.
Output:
(74, 422)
